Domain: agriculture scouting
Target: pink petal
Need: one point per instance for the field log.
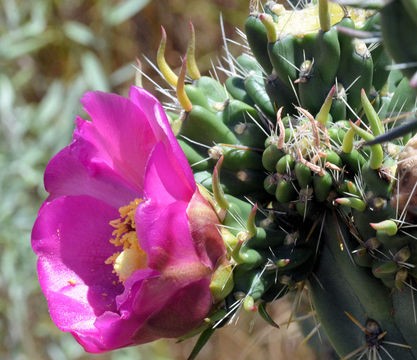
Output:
(71, 237)
(115, 329)
(203, 223)
(164, 235)
(162, 308)
(161, 127)
(125, 133)
(146, 293)
(82, 168)
(183, 312)
(165, 181)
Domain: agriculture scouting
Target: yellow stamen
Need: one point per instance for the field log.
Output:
(132, 257)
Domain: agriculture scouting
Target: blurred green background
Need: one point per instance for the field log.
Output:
(51, 52)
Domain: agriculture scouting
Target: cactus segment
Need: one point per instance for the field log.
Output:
(398, 22)
(255, 87)
(305, 195)
(236, 87)
(257, 39)
(209, 128)
(363, 297)
(197, 97)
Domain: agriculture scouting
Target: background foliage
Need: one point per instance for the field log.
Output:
(51, 52)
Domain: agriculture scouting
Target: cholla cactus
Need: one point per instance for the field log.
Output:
(304, 202)
(292, 192)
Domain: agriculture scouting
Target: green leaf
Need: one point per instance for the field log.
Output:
(11, 50)
(79, 33)
(202, 340)
(264, 314)
(119, 13)
(94, 73)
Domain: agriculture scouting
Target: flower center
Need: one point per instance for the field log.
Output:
(132, 257)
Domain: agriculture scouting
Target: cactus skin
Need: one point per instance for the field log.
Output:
(398, 23)
(352, 289)
(329, 218)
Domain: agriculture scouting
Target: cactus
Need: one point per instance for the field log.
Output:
(305, 202)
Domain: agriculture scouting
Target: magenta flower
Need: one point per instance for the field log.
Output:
(127, 244)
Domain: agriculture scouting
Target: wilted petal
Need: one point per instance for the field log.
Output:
(183, 311)
(203, 223)
(161, 308)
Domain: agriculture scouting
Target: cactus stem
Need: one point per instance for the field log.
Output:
(250, 224)
(217, 188)
(313, 125)
(323, 114)
(181, 94)
(324, 15)
(281, 138)
(388, 226)
(377, 154)
(163, 66)
(191, 62)
(271, 31)
(372, 116)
